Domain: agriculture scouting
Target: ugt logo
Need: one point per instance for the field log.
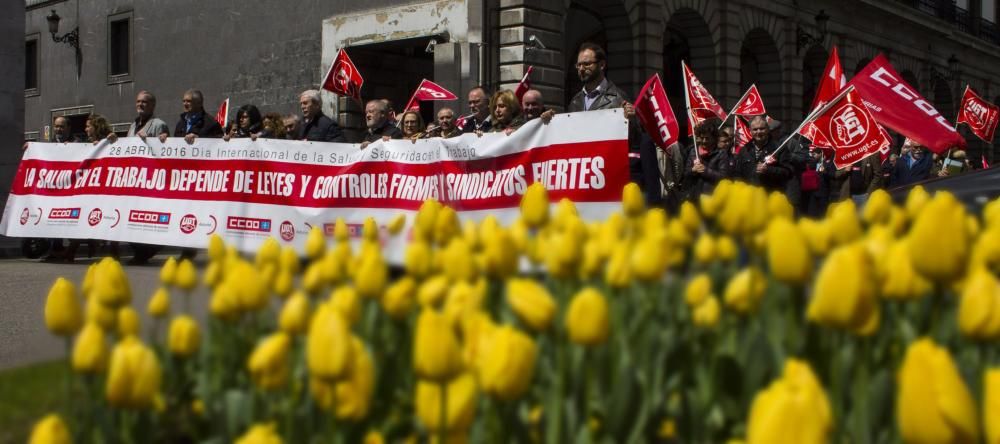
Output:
(976, 113)
(849, 125)
(94, 217)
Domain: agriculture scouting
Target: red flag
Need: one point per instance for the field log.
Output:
(850, 128)
(700, 103)
(742, 135)
(460, 123)
(750, 104)
(895, 104)
(985, 164)
(222, 116)
(886, 148)
(980, 115)
(811, 132)
(343, 77)
(832, 82)
(655, 114)
(428, 90)
(525, 84)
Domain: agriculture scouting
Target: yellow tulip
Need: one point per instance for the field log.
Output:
(369, 230)
(90, 353)
(531, 302)
(878, 209)
(87, 285)
(354, 394)
(284, 283)
(328, 344)
(704, 249)
(268, 363)
(618, 273)
(793, 408)
(778, 206)
(711, 204)
(213, 274)
(373, 437)
(817, 235)
(268, 253)
(433, 291)
(633, 202)
(315, 245)
(159, 304)
(587, 318)
(63, 316)
(134, 375)
(844, 293)
(535, 206)
(294, 318)
(844, 225)
(979, 310)
(341, 232)
(933, 404)
(250, 291)
(899, 279)
(788, 253)
(706, 314)
(986, 250)
(462, 299)
(565, 211)
(436, 353)
(508, 364)
(184, 336)
(417, 259)
(187, 277)
(457, 255)
(397, 224)
(216, 248)
(647, 260)
(690, 217)
(168, 273)
(460, 404)
(312, 280)
(260, 434)
(111, 285)
(289, 260)
(224, 303)
(398, 298)
(446, 225)
(939, 247)
(725, 249)
(371, 275)
(426, 219)
(128, 322)
(745, 290)
(500, 258)
(916, 199)
(991, 405)
(347, 301)
(592, 260)
(50, 430)
(698, 290)
(102, 315)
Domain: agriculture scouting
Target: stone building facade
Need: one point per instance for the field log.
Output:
(264, 52)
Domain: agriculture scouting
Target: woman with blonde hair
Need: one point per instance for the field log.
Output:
(412, 125)
(505, 112)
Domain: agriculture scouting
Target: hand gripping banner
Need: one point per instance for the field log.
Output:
(175, 193)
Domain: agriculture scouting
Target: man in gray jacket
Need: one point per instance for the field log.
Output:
(598, 92)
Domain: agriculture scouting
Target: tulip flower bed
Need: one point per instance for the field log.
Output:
(729, 320)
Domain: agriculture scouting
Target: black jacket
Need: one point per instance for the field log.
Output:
(472, 124)
(775, 176)
(611, 97)
(321, 129)
(387, 129)
(904, 174)
(716, 164)
(202, 126)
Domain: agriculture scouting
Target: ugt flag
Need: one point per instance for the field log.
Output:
(980, 115)
(701, 105)
(428, 90)
(899, 106)
(850, 128)
(655, 114)
(750, 104)
(343, 77)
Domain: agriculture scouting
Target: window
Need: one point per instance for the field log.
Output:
(31, 66)
(120, 47)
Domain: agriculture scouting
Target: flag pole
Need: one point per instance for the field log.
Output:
(687, 103)
(738, 102)
(819, 110)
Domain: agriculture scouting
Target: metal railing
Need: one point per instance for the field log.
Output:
(963, 20)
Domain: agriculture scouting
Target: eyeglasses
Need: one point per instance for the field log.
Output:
(585, 64)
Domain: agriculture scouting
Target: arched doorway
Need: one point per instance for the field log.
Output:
(760, 64)
(813, 65)
(686, 38)
(600, 22)
(942, 97)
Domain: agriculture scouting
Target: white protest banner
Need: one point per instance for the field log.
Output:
(174, 193)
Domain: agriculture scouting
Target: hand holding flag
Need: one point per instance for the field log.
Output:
(428, 90)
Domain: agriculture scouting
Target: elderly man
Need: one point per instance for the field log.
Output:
(757, 164)
(912, 167)
(291, 123)
(61, 131)
(377, 121)
(194, 121)
(479, 108)
(532, 105)
(144, 124)
(316, 126)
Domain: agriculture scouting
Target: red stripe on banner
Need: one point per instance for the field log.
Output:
(583, 172)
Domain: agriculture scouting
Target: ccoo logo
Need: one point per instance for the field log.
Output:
(188, 223)
(248, 224)
(94, 217)
(64, 213)
(287, 231)
(849, 125)
(149, 217)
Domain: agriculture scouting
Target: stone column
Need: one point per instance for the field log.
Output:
(519, 20)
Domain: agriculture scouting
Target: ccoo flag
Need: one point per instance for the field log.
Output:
(980, 115)
(701, 105)
(428, 90)
(850, 128)
(655, 114)
(222, 116)
(750, 104)
(343, 77)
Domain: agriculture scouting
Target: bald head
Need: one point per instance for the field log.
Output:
(531, 104)
(145, 104)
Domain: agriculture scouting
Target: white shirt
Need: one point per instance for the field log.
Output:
(590, 96)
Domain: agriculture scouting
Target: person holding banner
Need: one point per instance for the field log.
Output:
(505, 112)
(532, 105)
(445, 127)
(705, 164)
(316, 126)
(247, 124)
(377, 123)
(479, 108)
(412, 125)
(756, 163)
(194, 121)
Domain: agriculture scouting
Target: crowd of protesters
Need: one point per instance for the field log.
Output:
(668, 177)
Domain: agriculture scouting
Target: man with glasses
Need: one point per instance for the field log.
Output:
(194, 121)
(479, 108)
(598, 92)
